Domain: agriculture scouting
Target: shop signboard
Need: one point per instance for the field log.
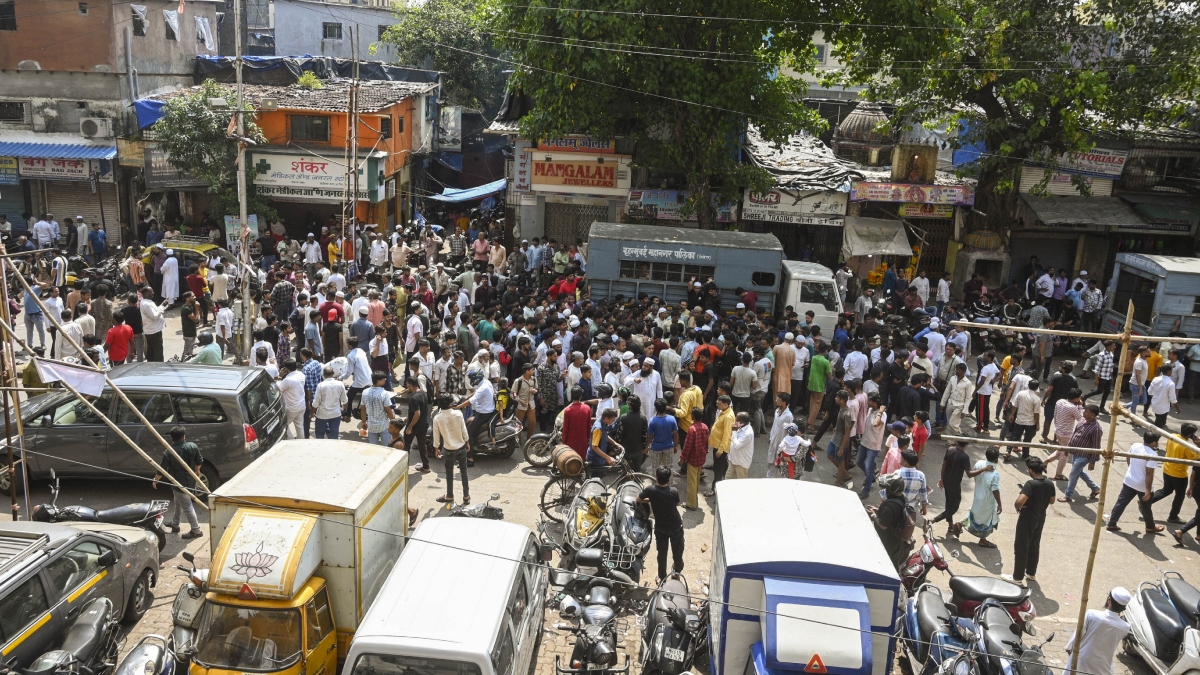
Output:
(821, 207)
(1097, 162)
(8, 171)
(131, 153)
(668, 205)
(522, 169)
(579, 175)
(926, 211)
(449, 133)
(680, 254)
(64, 169)
(957, 195)
(585, 144)
(161, 173)
(306, 177)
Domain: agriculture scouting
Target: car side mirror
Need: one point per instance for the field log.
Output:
(546, 552)
(47, 421)
(494, 497)
(108, 558)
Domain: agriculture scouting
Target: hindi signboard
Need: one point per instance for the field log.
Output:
(957, 195)
(820, 207)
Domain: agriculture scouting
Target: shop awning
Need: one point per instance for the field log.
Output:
(874, 236)
(1082, 211)
(467, 194)
(54, 146)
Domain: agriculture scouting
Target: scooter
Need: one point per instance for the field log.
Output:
(577, 567)
(673, 632)
(185, 611)
(595, 650)
(968, 593)
(1164, 625)
(484, 510)
(89, 647)
(629, 530)
(145, 515)
(539, 448)
(930, 633)
(998, 643)
(150, 656)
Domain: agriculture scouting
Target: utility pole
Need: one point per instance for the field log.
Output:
(354, 136)
(244, 253)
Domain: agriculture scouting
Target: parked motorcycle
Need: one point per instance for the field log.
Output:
(999, 645)
(629, 530)
(498, 439)
(150, 656)
(1164, 625)
(145, 515)
(89, 647)
(968, 593)
(595, 650)
(185, 611)
(484, 510)
(539, 448)
(673, 632)
(578, 567)
(585, 523)
(930, 633)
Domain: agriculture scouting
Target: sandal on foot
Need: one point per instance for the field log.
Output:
(1060, 478)
(987, 544)
(1113, 528)
(1155, 530)
(1178, 534)
(445, 500)
(466, 499)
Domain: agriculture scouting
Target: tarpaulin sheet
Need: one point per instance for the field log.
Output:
(803, 163)
(83, 379)
(874, 236)
(467, 194)
(287, 69)
(148, 111)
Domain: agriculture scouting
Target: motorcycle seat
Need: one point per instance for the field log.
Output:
(997, 624)
(599, 595)
(597, 615)
(123, 514)
(1186, 599)
(85, 634)
(1166, 624)
(671, 595)
(932, 614)
(980, 588)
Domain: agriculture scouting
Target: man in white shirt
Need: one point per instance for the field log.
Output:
(450, 438)
(415, 331)
(63, 347)
(921, 283)
(1103, 634)
(358, 369)
(1026, 412)
(800, 364)
(45, 233)
(741, 447)
(224, 326)
(1139, 484)
(1139, 379)
(1045, 285)
(153, 324)
(943, 292)
(291, 389)
(379, 252)
(1162, 396)
(328, 402)
(957, 397)
(935, 340)
(987, 376)
(856, 363)
(762, 383)
(783, 418)
(311, 252)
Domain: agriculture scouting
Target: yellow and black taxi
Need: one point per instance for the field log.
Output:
(195, 251)
(48, 572)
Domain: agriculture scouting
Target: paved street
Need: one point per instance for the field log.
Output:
(1123, 559)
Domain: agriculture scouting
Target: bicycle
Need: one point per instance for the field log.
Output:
(560, 490)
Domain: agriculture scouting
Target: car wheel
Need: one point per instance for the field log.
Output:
(211, 478)
(140, 598)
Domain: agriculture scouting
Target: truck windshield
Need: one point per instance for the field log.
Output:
(819, 293)
(394, 664)
(242, 638)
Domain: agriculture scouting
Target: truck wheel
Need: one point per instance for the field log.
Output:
(140, 597)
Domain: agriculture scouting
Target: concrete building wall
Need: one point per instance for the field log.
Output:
(300, 29)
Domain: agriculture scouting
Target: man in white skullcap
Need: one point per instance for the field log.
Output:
(170, 278)
(1101, 636)
(646, 384)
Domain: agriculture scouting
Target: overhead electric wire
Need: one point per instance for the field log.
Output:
(543, 565)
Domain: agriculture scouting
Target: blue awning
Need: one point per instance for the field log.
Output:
(57, 150)
(467, 194)
(148, 111)
(450, 160)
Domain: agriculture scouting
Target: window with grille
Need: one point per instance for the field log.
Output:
(331, 31)
(385, 127)
(138, 14)
(662, 271)
(310, 128)
(12, 112)
(8, 15)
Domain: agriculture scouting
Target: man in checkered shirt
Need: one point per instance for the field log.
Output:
(1104, 373)
(916, 492)
(312, 377)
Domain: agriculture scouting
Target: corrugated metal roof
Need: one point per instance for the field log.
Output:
(57, 150)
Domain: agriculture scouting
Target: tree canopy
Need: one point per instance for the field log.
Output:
(683, 82)
(1026, 79)
(448, 35)
(194, 136)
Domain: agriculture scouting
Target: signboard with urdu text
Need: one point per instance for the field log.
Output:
(668, 205)
(958, 195)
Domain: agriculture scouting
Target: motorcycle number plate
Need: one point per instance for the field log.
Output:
(673, 654)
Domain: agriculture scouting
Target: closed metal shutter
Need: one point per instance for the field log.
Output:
(70, 198)
(1061, 184)
(12, 205)
(565, 222)
(1056, 253)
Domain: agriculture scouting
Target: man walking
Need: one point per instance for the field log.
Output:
(1104, 373)
(450, 439)
(955, 465)
(957, 397)
(1175, 476)
(1139, 484)
(668, 525)
(1162, 396)
(783, 417)
(328, 402)
(1037, 494)
(153, 323)
(1087, 434)
(695, 451)
(375, 411)
(720, 438)
(662, 430)
(1103, 633)
(291, 389)
(741, 447)
(181, 501)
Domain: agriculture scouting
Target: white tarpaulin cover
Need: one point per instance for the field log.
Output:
(85, 380)
(874, 236)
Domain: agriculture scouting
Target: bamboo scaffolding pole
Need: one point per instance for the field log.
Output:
(1063, 448)
(114, 428)
(117, 390)
(1070, 333)
(11, 352)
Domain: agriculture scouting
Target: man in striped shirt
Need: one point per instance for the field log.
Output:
(1067, 413)
(1087, 435)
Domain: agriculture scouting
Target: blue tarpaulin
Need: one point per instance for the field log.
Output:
(450, 160)
(148, 111)
(467, 194)
(57, 150)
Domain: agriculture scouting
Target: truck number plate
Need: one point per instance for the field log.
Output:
(673, 654)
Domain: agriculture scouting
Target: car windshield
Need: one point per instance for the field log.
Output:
(818, 293)
(393, 664)
(259, 398)
(243, 638)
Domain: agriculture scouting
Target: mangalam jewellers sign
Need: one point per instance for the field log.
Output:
(580, 176)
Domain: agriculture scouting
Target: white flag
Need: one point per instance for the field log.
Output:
(84, 380)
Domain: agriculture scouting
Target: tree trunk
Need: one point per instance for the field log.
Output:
(701, 191)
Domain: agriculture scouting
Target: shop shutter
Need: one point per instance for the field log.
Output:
(565, 222)
(1062, 186)
(12, 204)
(70, 198)
(1056, 253)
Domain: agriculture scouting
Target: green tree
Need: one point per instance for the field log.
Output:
(1025, 79)
(448, 36)
(682, 87)
(193, 135)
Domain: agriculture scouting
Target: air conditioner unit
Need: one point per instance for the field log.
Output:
(95, 127)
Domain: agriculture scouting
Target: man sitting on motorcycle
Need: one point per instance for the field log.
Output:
(1010, 313)
(982, 310)
(483, 410)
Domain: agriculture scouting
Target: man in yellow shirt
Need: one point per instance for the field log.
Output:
(719, 438)
(1155, 361)
(1175, 476)
(690, 397)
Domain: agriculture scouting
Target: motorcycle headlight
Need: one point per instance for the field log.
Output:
(926, 555)
(693, 625)
(962, 667)
(602, 654)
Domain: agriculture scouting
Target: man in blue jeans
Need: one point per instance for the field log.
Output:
(375, 411)
(1087, 435)
(328, 402)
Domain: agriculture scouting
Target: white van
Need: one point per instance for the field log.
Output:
(458, 602)
(808, 286)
